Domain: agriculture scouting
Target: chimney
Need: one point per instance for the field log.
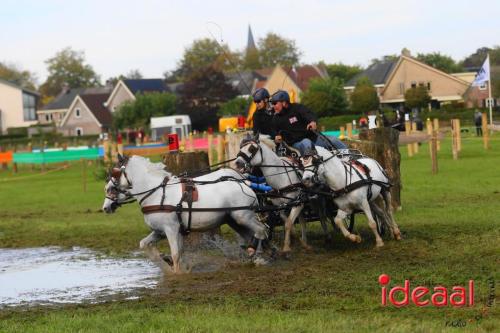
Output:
(65, 88)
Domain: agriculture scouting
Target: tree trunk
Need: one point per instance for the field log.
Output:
(381, 144)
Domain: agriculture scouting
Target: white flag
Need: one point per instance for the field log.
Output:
(484, 73)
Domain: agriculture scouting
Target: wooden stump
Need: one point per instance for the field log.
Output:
(189, 162)
(381, 144)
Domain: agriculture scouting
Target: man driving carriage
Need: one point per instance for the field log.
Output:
(296, 125)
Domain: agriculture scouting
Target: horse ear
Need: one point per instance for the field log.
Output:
(256, 137)
(120, 158)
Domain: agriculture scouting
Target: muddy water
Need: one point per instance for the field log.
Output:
(51, 275)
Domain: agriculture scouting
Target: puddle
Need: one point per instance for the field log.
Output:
(50, 275)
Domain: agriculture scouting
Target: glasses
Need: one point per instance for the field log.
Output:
(257, 101)
(274, 103)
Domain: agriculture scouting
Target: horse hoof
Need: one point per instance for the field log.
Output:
(379, 245)
(168, 259)
(397, 236)
(250, 251)
(355, 238)
(259, 261)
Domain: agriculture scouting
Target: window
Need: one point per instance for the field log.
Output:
(78, 114)
(29, 107)
(402, 88)
(47, 117)
(420, 84)
(429, 86)
(413, 84)
(483, 86)
(79, 131)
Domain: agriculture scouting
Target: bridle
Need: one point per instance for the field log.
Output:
(254, 149)
(316, 161)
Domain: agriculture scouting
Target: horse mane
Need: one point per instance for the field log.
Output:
(268, 142)
(157, 168)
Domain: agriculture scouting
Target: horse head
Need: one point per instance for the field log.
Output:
(248, 154)
(312, 163)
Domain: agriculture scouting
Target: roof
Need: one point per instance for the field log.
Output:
(265, 72)
(145, 85)
(304, 74)
(160, 122)
(378, 73)
(243, 82)
(66, 97)
(14, 85)
(95, 103)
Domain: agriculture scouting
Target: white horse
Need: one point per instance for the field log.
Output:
(339, 175)
(282, 175)
(153, 187)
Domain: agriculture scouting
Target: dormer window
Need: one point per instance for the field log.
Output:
(78, 113)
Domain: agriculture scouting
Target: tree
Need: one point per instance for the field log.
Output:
(251, 60)
(274, 49)
(386, 58)
(364, 98)
(204, 53)
(203, 93)
(139, 112)
(417, 97)
(440, 61)
(234, 107)
(68, 66)
(132, 74)
(22, 78)
(343, 72)
(325, 97)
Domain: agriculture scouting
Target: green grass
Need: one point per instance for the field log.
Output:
(450, 222)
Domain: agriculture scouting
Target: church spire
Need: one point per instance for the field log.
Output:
(250, 41)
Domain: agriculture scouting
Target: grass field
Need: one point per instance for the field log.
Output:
(450, 225)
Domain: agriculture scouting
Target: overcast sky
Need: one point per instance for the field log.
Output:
(148, 35)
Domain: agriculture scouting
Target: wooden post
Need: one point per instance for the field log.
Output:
(428, 125)
(454, 145)
(220, 148)
(435, 127)
(484, 126)
(191, 142)
(415, 144)
(349, 130)
(210, 149)
(433, 146)
(410, 149)
(459, 135)
(14, 164)
(84, 175)
(342, 130)
(105, 145)
(30, 149)
(322, 128)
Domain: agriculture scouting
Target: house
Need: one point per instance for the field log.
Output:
(126, 90)
(392, 78)
(87, 115)
(293, 79)
(245, 82)
(55, 111)
(17, 106)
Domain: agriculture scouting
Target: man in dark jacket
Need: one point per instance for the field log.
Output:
(295, 124)
(263, 116)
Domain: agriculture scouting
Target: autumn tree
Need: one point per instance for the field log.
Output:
(68, 66)
(234, 107)
(22, 78)
(274, 49)
(342, 71)
(440, 61)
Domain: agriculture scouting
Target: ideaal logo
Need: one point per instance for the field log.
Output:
(457, 296)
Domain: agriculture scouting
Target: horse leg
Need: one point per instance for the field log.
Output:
(303, 227)
(148, 245)
(175, 241)
(365, 205)
(390, 212)
(247, 219)
(294, 213)
(339, 222)
(378, 210)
